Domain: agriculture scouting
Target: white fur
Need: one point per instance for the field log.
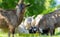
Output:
(22, 28)
(37, 19)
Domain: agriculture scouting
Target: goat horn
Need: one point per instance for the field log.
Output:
(20, 1)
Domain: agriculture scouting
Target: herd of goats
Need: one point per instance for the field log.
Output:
(14, 21)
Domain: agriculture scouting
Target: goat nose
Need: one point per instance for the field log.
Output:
(34, 29)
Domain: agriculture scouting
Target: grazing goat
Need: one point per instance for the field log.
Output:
(50, 22)
(37, 19)
(25, 26)
(30, 24)
(22, 28)
(33, 28)
(29, 21)
(9, 19)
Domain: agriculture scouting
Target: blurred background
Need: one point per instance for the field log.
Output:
(37, 7)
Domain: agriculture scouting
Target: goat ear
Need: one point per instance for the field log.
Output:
(33, 16)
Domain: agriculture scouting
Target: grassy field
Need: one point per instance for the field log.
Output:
(57, 34)
(27, 35)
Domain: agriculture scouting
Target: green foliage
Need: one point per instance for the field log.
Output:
(58, 7)
(50, 6)
(40, 7)
(37, 6)
(8, 4)
(53, 3)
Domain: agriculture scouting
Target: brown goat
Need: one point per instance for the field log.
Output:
(10, 19)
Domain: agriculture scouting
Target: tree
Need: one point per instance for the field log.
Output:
(50, 6)
(58, 6)
(40, 7)
(8, 4)
(37, 6)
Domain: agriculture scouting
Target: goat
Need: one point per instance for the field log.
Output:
(37, 19)
(50, 22)
(25, 26)
(10, 20)
(33, 28)
(22, 28)
(29, 22)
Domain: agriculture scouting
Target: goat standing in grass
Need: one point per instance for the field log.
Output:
(50, 22)
(9, 19)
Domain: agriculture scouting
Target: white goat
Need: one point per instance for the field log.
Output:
(25, 25)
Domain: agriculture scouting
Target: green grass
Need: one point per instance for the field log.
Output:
(57, 34)
(25, 35)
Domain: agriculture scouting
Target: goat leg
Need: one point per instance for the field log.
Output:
(13, 32)
(52, 32)
(9, 34)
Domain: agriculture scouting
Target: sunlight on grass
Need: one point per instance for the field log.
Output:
(29, 35)
(57, 34)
